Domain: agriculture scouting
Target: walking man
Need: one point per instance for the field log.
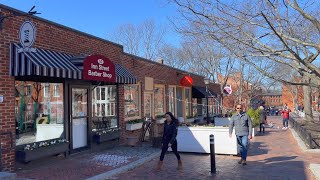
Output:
(242, 124)
(263, 118)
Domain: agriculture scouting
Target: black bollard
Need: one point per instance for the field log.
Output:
(212, 154)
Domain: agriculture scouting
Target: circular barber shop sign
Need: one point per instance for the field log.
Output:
(227, 90)
(27, 34)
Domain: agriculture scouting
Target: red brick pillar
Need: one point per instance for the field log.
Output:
(7, 114)
(122, 123)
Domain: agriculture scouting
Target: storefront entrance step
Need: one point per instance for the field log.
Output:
(8, 176)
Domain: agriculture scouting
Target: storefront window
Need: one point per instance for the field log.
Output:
(172, 99)
(187, 101)
(104, 107)
(159, 99)
(39, 114)
(131, 101)
(194, 107)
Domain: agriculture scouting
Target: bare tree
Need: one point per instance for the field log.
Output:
(143, 40)
(284, 32)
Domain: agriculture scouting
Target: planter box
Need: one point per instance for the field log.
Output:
(221, 121)
(196, 139)
(131, 127)
(160, 121)
(190, 120)
(29, 155)
(106, 136)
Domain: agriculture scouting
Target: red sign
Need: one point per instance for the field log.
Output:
(186, 81)
(99, 68)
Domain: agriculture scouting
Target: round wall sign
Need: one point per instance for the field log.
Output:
(27, 34)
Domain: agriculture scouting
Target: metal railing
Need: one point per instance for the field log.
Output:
(304, 134)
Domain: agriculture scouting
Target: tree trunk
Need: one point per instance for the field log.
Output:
(307, 101)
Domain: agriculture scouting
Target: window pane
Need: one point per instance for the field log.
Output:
(104, 108)
(131, 94)
(187, 102)
(39, 116)
(172, 99)
(159, 101)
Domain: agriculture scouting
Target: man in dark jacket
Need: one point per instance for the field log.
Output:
(243, 130)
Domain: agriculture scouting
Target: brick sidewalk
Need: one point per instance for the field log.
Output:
(274, 155)
(83, 166)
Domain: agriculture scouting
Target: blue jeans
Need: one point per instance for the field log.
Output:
(244, 144)
(285, 122)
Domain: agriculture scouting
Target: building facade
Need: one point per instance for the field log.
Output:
(71, 86)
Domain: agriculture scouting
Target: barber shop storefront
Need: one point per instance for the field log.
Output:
(63, 102)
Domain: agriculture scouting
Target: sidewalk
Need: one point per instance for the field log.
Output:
(85, 165)
(275, 155)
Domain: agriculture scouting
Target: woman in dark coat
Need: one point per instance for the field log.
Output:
(169, 139)
(263, 118)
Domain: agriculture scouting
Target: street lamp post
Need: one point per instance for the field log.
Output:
(206, 82)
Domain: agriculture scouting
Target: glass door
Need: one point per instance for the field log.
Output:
(79, 117)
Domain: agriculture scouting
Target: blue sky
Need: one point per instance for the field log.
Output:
(99, 17)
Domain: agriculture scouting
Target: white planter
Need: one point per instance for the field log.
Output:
(196, 139)
(160, 121)
(221, 121)
(131, 127)
(255, 131)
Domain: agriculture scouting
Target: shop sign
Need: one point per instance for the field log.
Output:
(227, 89)
(27, 36)
(186, 81)
(98, 68)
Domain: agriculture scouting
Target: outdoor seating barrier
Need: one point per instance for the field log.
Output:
(304, 134)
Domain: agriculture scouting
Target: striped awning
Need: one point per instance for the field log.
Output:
(42, 63)
(123, 75)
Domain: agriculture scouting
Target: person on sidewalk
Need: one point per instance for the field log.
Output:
(285, 117)
(169, 139)
(242, 124)
(263, 118)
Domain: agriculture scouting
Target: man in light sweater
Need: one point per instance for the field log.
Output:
(242, 124)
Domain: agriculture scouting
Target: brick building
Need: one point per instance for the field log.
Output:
(273, 98)
(293, 96)
(250, 95)
(87, 86)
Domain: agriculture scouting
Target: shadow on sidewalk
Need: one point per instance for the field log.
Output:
(257, 148)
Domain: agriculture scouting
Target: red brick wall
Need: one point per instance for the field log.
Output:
(49, 36)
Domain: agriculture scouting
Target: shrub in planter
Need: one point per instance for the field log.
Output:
(103, 135)
(37, 150)
(160, 119)
(134, 124)
(255, 117)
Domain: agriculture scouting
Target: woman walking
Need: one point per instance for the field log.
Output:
(169, 139)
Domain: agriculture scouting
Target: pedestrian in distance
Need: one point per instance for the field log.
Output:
(263, 119)
(242, 124)
(285, 117)
(170, 131)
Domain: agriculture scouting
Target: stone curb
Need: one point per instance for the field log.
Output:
(315, 169)
(301, 143)
(125, 168)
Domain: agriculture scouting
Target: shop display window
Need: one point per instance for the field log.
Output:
(172, 99)
(104, 108)
(187, 100)
(159, 101)
(39, 111)
(131, 101)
